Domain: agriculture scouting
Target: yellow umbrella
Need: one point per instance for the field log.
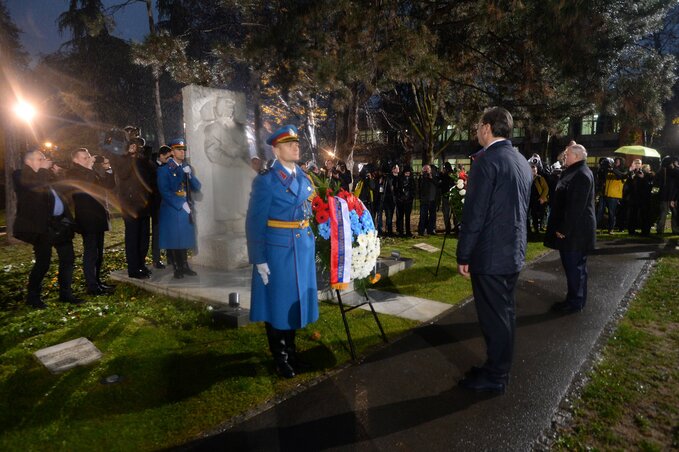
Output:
(641, 151)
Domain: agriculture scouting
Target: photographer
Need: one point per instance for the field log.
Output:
(428, 186)
(667, 180)
(612, 177)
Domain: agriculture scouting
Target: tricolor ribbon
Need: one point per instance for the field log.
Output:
(340, 243)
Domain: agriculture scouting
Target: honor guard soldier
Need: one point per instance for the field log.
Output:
(176, 182)
(282, 249)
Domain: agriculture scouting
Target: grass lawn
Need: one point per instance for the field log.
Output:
(632, 399)
(421, 281)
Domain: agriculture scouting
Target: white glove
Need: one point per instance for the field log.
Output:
(186, 169)
(186, 207)
(264, 272)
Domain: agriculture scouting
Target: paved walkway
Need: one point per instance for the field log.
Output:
(405, 397)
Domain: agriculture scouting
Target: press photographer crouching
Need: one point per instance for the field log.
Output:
(43, 219)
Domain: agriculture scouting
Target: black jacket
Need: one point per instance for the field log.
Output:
(136, 184)
(88, 192)
(35, 202)
(573, 213)
(494, 217)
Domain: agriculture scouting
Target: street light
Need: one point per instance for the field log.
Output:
(25, 111)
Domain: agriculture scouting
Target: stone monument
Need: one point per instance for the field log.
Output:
(215, 125)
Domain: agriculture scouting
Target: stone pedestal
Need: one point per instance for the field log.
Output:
(218, 150)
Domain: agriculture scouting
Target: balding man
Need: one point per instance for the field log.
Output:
(43, 220)
(572, 226)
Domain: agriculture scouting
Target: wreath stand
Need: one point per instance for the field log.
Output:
(345, 309)
(443, 245)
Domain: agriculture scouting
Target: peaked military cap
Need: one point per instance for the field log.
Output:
(283, 135)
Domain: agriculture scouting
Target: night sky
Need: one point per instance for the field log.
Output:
(38, 21)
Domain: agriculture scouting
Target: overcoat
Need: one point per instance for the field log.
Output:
(35, 202)
(290, 299)
(493, 233)
(88, 192)
(175, 230)
(572, 212)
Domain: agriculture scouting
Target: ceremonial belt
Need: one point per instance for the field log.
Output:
(181, 193)
(287, 224)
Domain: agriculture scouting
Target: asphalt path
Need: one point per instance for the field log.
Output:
(405, 396)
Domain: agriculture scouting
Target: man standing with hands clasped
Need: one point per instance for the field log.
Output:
(282, 249)
(572, 226)
(492, 245)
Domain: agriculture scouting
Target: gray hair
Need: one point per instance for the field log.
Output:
(578, 150)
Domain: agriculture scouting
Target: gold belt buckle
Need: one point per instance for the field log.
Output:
(301, 224)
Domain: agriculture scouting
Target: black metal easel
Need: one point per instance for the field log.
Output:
(344, 311)
(443, 245)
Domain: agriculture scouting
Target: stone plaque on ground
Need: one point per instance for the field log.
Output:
(426, 247)
(61, 357)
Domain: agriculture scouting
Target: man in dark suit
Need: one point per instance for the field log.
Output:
(572, 226)
(39, 206)
(136, 184)
(88, 192)
(492, 243)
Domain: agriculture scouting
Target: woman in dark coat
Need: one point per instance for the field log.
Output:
(572, 226)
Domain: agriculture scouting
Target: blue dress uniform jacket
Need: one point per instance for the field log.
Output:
(494, 228)
(290, 300)
(175, 230)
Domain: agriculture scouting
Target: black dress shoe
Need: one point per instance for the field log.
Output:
(285, 370)
(139, 275)
(104, 286)
(73, 300)
(159, 265)
(188, 272)
(145, 270)
(566, 307)
(178, 274)
(482, 383)
(37, 304)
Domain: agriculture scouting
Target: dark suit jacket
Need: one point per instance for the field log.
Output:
(493, 231)
(35, 203)
(88, 192)
(135, 183)
(573, 212)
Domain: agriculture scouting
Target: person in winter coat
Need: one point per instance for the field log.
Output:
(282, 250)
(176, 183)
(571, 228)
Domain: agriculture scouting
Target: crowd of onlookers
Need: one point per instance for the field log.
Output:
(390, 192)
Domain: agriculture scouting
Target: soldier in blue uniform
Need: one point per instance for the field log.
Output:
(176, 182)
(281, 247)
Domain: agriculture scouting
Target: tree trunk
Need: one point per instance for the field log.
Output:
(346, 128)
(160, 131)
(11, 164)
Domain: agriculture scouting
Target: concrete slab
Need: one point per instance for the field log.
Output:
(405, 396)
(398, 305)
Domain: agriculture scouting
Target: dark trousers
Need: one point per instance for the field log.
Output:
(93, 257)
(403, 211)
(494, 300)
(136, 243)
(389, 218)
(427, 217)
(610, 204)
(445, 208)
(575, 265)
(42, 250)
(155, 247)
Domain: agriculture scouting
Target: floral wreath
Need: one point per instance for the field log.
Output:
(350, 246)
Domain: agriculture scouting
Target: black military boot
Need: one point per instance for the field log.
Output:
(278, 350)
(185, 264)
(176, 263)
(291, 349)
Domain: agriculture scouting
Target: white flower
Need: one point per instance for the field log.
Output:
(460, 183)
(462, 200)
(463, 192)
